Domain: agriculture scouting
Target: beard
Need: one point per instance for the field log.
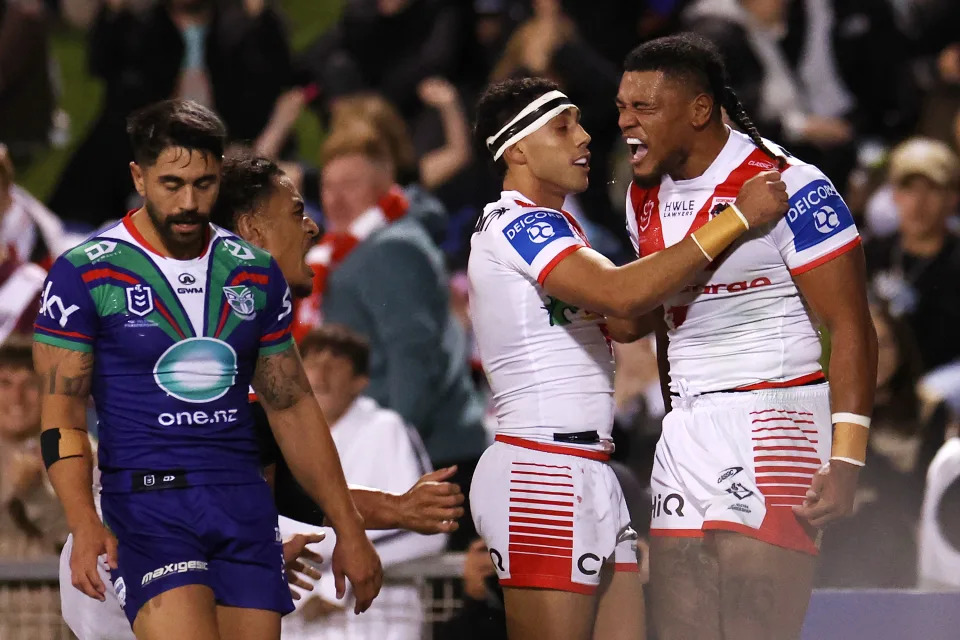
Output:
(173, 240)
(667, 166)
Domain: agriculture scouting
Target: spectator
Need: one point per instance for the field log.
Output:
(809, 72)
(27, 100)
(939, 537)
(235, 59)
(914, 271)
(31, 520)
(482, 616)
(379, 273)
(377, 450)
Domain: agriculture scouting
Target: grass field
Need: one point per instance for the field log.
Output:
(81, 93)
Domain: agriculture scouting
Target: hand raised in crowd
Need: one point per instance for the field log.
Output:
(433, 505)
(437, 92)
(763, 198)
(296, 556)
(827, 132)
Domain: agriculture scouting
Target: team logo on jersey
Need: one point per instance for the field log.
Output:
(644, 220)
(719, 202)
(562, 314)
(140, 300)
(240, 299)
(197, 369)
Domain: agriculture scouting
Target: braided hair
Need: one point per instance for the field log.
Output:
(695, 59)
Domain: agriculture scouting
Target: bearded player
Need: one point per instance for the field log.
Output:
(545, 501)
(758, 452)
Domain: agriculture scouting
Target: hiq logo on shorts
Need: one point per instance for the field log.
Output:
(172, 569)
(816, 213)
(532, 231)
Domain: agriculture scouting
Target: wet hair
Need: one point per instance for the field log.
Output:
(696, 61)
(174, 123)
(342, 342)
(499, 104)
(246, 182)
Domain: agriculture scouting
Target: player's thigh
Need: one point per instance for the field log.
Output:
(185, 613)
(684, 589)
(620, 610)
(248, 624)
(764, 589)
(546, 614)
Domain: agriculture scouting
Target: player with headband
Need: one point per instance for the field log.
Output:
(543, 303)
(741, 480)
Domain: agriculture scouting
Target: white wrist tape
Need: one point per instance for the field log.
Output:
(853, 418)
(850, 460)
(702, 250)
(737, 211)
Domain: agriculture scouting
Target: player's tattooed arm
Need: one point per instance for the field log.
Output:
(63, 372)
(280, 381)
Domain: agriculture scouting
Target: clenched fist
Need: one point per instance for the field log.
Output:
(763, 198)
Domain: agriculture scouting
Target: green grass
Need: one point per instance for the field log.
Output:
(82, 94)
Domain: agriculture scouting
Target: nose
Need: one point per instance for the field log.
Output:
(188, 199)
(310, 227)
(626, 121)
(584, 137)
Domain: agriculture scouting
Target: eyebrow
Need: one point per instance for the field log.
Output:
(179, 180)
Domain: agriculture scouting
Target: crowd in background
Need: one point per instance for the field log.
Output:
(868, 90)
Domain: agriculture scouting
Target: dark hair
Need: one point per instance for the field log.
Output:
(692, 58)
(340, 341)
(246, 182)
(501, 102)
(16, 353)
(174, 123)
(902, 405)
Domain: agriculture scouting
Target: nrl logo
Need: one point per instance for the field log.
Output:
(644, 220)
(240, 299)
(139, 300)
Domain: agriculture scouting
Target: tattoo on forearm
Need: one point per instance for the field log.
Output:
(280, 381)
(56, 381)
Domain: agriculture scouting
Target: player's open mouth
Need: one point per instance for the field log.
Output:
(638, 150)
(583, 161)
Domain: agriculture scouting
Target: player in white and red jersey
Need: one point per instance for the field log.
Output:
(737, 495)
(547, 505)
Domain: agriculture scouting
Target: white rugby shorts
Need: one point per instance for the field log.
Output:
(740, 462)
(91, 619)
(551, 518)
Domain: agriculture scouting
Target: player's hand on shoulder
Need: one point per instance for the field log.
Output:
(763, 198)
(432, 505)
(300, 562)
(831, 494)
(90, 541)
(355, 559)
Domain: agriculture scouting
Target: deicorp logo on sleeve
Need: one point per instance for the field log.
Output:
(532, 231)
(816, 213)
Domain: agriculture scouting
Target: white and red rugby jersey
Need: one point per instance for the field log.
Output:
(548, 363)
(742, 324)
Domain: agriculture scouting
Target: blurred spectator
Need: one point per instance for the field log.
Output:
(549, 45)
(235, 59)
(915, 270)
(379, 273)
(415, 39)
(813, 74)
(939, 536)
(27, 100)
(482, 616)
(379, 451)
(30, 515)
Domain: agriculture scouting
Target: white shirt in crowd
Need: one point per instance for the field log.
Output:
(939, 561)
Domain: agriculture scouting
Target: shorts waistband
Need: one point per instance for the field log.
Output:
(546, 447)
(805, 381)
(159, 479)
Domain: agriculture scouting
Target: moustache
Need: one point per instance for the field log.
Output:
(187, 217)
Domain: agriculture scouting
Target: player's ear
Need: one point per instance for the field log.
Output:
(138, 181)
(701, 110)
(249, 229)
(514, 154)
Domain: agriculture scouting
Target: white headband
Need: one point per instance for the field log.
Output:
(531, 117)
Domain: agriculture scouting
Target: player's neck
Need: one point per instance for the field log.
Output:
(704, 151)
(536, 191)
(142, 223)
(923, 246)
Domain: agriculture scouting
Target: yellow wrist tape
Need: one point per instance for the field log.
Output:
(58, 444)
(850, 442)
(718, 234)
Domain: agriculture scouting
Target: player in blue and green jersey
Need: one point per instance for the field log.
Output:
(166, 320)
